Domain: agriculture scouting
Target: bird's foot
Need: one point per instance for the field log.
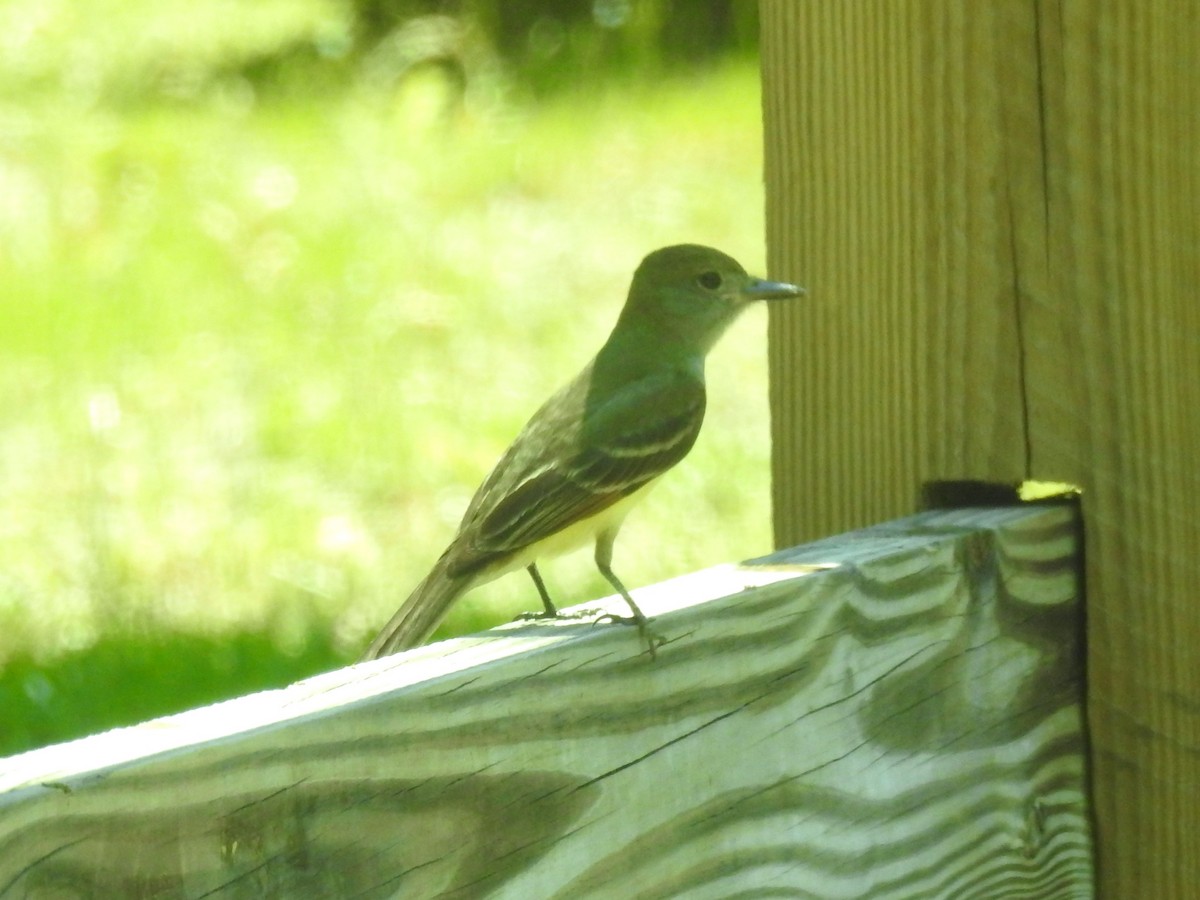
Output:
(652, 639)
(585, 613)
(535, 616)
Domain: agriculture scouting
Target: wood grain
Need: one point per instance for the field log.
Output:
(892, 713)
(994, 206)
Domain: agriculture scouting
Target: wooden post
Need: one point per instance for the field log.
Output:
(996, 208)
(894, 713)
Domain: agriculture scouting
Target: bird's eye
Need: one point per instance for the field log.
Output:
(709, 280)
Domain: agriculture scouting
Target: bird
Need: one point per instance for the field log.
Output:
(598, 445)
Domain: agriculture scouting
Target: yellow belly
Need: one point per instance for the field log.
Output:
(580, 534)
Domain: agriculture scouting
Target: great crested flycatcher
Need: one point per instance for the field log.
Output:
(595, 447)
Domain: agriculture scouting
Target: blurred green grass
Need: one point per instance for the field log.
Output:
(255, 356)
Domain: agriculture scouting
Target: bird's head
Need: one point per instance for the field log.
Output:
(692, 293)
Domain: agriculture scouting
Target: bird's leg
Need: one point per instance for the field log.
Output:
(638, 618)
(604, 547)
(549, 610)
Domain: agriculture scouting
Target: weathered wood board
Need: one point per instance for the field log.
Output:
(894, 712)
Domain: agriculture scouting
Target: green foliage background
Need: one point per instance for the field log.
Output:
(279, 281)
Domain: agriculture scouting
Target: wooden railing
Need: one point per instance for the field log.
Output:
(894, 712)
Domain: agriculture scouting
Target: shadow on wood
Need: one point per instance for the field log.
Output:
(894, 712)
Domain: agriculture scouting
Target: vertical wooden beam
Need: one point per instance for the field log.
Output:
(1115, 394)
(995, 207)
(885, 170)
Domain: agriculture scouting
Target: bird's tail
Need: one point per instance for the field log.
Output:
(421, 613)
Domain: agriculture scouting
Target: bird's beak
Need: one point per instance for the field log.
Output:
(757, 289)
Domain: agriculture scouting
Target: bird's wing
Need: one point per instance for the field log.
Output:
(630, 439)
